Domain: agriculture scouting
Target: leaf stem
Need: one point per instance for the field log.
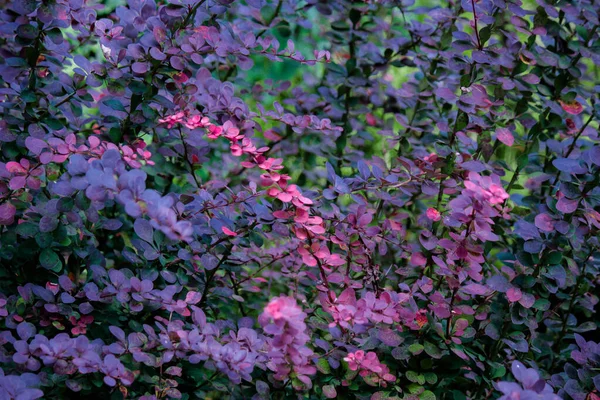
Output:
(572, 146)
(210, 277)
(476, 29)
(565, 318)
(192, 13)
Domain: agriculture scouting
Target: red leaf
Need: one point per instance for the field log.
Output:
(572, 107)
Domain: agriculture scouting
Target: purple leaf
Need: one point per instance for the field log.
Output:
(7, 213)
(17, 182)
(526, 230)
(117, 332)
(209, 262)
(157, 54)
(445, 93)
(86, 308)
(527, 300)
(144, 230)
(43, 293)
(35, 145)
(140, 67)
(475, 288)
(544, 222)
(566, 206)
(112, 224)
(569, 165)
(475, 166)
(48, 224)
(25, 330)
(498, 283)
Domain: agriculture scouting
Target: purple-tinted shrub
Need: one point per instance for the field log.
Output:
(401, 201)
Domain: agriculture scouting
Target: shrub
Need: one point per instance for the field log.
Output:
(401, 202)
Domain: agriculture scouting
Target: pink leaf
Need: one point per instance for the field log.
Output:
(514, 294)
(15, 168)
(418, 259)
(228, 232)
(433, 214)
(193, 297)
(282, 214)
(505, 136)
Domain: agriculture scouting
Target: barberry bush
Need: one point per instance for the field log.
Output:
(299, 199)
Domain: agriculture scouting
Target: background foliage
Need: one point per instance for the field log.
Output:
(312, 199)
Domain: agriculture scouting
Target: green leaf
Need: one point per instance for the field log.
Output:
(370, 380)
(430, 377)
(298, 384)
(55, 34)
(340, 26)
(65, 204)
(323, 366)
(432, 350)
(54, 124)
(416, 348)
(28, 96)
(446, 39)
(256, 239)
(585, 327)
(560, 83)
(27, 31)
(136, 100)
(415, 377)
(27, 229)
(159, 238)
(427, 395)
(484, 34)
(541, 304)
(498, 372)
(135, 326)
(43, 239)
(522, 105)
(16, 62)
(114, 104)
(349, 375)
(462, 121)
(465, 80)
(543, 90)
(115, 135)
(456, 395)
(220, 387)
(540, 18)
(355, 16)
(137, 87)
(554, 258)
(50, 260)
(522, 161)
(569, 97)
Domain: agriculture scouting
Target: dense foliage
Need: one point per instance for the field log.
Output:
(402, 201)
